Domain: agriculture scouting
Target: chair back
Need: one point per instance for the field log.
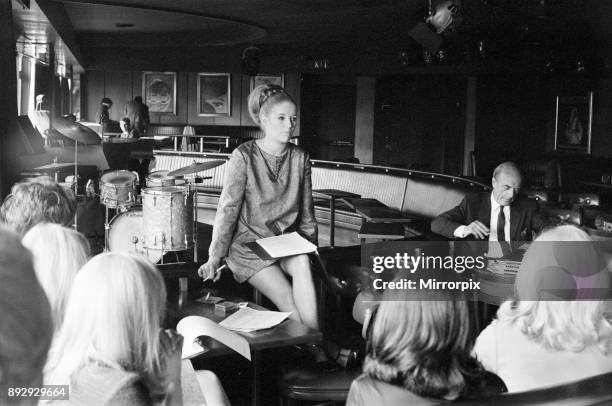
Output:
(592, 391)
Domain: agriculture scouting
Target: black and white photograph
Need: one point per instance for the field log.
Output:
(305, 202)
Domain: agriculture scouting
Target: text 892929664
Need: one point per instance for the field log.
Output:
(43, 392)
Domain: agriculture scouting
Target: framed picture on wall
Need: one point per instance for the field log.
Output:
(573, 123)
(159, 92)
(214, 94)
(267, 79)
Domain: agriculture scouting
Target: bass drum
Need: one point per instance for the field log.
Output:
(126, 234)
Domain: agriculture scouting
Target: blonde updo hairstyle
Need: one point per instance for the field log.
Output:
(263, 98)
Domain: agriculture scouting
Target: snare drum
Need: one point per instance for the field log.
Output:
(126, 235)
(161, 179)
(168, 218)
(118, 189)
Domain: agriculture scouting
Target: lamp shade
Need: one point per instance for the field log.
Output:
(188, 130)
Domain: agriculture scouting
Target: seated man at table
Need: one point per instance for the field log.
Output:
(501, 215)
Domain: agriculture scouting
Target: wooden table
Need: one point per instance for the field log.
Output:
(287, 333)
(495, 288)
(378, 221)
(382, 231)
(374, 211)
(332, 195)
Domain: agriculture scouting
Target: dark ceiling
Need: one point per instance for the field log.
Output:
(559, 32)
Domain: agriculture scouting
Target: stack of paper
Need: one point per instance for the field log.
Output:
(503, 266)
(248, 320)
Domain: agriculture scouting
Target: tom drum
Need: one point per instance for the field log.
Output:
(161, 179)
(168, 218)
(118, 189)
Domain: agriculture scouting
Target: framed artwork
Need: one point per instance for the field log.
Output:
(573, 123)
(214, 94)
(267, 79)
(159, 92)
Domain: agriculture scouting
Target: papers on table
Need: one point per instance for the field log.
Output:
(247, 320)
(503, 266)
(192, 327)
(280, 246)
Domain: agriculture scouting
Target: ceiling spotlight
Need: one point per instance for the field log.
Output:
(445, 17)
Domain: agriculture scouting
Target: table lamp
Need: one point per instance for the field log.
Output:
(187, 131)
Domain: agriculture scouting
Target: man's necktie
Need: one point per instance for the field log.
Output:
(501, 224)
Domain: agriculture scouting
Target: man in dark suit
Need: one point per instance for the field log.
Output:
(501, 215)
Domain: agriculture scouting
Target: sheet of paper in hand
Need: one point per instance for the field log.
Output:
(281, 246)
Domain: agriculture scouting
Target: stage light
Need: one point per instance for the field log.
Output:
(445, 17)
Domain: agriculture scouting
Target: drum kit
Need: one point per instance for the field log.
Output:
(162, 219)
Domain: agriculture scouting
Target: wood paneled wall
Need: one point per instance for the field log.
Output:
(123, 86)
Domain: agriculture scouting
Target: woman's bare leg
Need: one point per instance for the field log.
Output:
(273, 283)
(212, 389)
(304, 294)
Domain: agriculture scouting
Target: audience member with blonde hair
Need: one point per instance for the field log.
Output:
(36, 201)
(556, 331)
(25, 321)
(59, 252)
(111, 350)
(418, 350)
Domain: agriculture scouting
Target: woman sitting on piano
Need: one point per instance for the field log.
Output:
(267, 192)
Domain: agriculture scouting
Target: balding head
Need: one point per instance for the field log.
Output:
(506, 183)
(507, 167)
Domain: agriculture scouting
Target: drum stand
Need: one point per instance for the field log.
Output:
(106, 229)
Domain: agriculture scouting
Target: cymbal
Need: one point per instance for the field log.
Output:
(197, 167)
(76, 131)
(56, 166)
